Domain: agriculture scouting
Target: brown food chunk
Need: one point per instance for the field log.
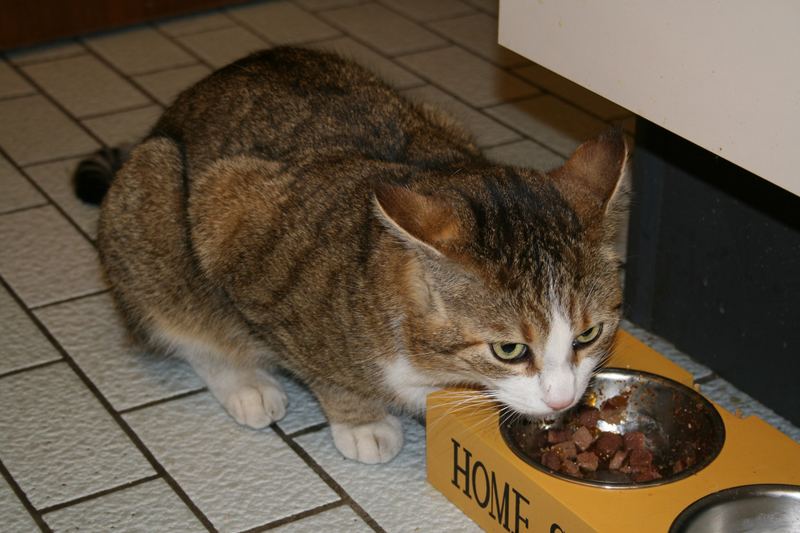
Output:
(634, 440)
(613, 409)
(588, 461)
(565, 449)
(551, 460)
(588, 417)
(571, 467)
(617, 460)
(583, 438)
(615, 403)
(640, 459)
(554, 436)
(607, 445)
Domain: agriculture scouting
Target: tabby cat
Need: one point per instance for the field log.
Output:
(292, 210)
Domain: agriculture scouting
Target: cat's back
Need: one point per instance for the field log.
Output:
(283, 103)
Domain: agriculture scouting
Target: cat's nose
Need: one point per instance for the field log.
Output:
(557, 405)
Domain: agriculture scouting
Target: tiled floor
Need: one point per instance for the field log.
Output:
(95, 435)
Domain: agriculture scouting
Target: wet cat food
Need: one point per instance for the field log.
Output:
(580, 448)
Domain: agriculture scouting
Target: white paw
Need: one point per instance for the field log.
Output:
(377, 442)
(256, 402)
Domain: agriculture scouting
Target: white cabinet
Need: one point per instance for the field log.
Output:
(722, 74)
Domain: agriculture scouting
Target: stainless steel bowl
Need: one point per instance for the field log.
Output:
(673, 418)
(746, 509)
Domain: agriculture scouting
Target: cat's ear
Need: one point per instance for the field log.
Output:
(592, 179)
(419, 220)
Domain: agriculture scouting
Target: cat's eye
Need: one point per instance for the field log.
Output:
(588, 336)
(509, 351)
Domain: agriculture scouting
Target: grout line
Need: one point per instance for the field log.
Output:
(67, 300)
(199, 13)
(159, 401)
(176, 41)
(98, 494)
(23, 498)
(134, 438)
(308, 430)
(123, 75)
(61, 42)
(296, 517)
(327, 478)
(34, 366)
(51, 202)
(160, 70)
(103, 114)
(331, 8)
(21, 209)
(18, 96)
(58, 159)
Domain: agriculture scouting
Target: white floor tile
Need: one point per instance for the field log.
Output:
(21, 343)
(486, 131)
(15, 191)
(166, 85)
(85, 86)
(11, 83)
(572, 92)
(550, 121)
(489, 6)
(339, 520)
(56, 180)
(238, 477)
(525, 153)
(45, 259)
(478, 33)
(92, 332)
(396, 494)
(220, 47)
(148, 507)
(45, 52)
(34, 130)
(383, 29)
(425, 10)
(16, 518)
(195, 23)
(474, 80)
(138, 50)
(319, 5)
(124, 127)
(283, 23)
(63, 445)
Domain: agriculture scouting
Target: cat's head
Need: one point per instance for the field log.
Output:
(513, 281)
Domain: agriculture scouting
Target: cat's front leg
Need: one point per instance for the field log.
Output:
(362, 429)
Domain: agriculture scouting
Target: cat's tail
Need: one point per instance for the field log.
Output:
(93, 175)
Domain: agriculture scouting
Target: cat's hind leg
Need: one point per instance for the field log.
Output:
(248, 392)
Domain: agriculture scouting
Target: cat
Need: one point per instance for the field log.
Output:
(293, 211)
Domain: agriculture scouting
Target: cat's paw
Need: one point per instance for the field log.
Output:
(376, 442)
(256, 403)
